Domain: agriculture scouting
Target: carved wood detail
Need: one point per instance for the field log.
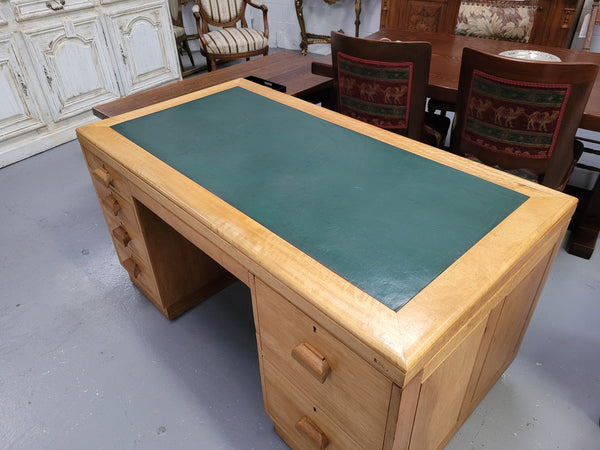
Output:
(424, 18)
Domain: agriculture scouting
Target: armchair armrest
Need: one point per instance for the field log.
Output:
(323, 69)
(257, 4)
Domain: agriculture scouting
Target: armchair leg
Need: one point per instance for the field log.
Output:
(186, 47)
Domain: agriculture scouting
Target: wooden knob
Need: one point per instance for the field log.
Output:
(121, 235)
(312, 360)
(132, 267)
(112, 204)
(103, 175)
(313, 432)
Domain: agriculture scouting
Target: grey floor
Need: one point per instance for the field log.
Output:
(87, 362)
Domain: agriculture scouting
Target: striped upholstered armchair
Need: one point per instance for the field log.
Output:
(224, 32)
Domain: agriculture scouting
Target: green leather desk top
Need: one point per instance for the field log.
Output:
(384, 219)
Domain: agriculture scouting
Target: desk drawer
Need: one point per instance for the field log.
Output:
(141, 275)
(293, 412)
(107, 177)
(127, 239)
(117, 210)
(335, 379)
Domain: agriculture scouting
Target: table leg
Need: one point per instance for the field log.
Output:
(300, 15)
(357, 9)
(585, 235)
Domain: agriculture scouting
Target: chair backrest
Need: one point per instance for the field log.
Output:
(222, 12)
(506, 20)
(517, 114)
(381, 82)
(175, 10)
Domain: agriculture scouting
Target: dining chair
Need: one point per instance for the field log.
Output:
(181, 37)
(521, 116)
(384, 83)
(224, 33)
(504, 20)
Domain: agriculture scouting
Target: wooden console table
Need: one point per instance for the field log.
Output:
(392, 282)
(311, 38)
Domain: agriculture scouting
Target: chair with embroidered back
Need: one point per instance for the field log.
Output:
(503, 20)
(181, 37)
(521, 116)
(224, 33)
(384, 83)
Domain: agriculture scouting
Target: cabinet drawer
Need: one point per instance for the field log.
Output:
(346, 387)
(106, 179)
(287, 406)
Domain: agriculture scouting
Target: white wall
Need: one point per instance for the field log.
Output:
(319, 17)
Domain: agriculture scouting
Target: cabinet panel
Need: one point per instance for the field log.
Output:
(144, 46)
(32, 9)
(19, 112)
(73, 65)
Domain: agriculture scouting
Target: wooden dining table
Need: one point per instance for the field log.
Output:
(447, 53)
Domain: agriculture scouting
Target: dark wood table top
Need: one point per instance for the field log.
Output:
(447, 54)
(284, 67)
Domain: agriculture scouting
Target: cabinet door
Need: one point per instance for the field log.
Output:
(19, 112)
(72, 63)
(144, 45)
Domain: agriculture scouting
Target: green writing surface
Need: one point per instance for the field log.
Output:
(384, 219)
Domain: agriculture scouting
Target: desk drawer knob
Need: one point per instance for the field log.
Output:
(131, 267)
(313, 432)
(103, 175)
(121, 235)
(112, 204)
(312, 360)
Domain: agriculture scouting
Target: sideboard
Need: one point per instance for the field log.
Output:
(554, 23)
(59, 58)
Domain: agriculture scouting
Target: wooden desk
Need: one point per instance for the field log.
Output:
(287, 68)
(392, 282)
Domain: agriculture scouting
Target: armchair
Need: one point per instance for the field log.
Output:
(181, 37)
(224, 33)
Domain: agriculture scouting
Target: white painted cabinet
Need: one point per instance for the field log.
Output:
(145, 54)
(19, 111)
(59, 58)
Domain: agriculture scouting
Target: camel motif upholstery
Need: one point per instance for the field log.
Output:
(375, 92)
(384, 84)
(521, 116)
(517, 118)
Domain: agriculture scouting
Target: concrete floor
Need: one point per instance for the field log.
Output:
(87, 362)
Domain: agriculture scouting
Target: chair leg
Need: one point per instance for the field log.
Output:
(186, 47)
(213, 64)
